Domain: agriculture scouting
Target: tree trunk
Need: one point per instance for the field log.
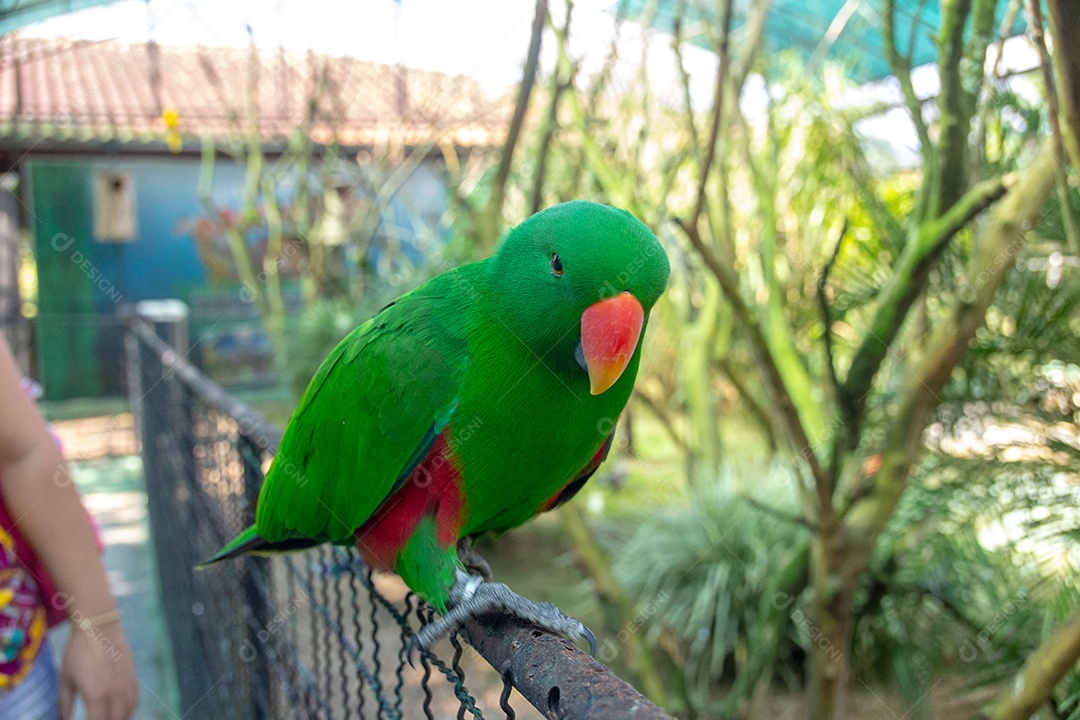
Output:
(840, 554)
(829, 625)
(1064, 19)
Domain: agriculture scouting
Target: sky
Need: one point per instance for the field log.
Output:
(486, 39)
(483, 38)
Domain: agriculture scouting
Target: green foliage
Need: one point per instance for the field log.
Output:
(700, 568)
(981, 557)
(790, 193)
(963, 585)
(318, 216)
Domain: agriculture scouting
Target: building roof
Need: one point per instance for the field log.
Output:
(84, 92)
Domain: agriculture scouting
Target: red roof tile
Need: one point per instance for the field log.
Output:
(67, 89)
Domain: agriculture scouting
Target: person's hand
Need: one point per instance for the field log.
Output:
(99, 668)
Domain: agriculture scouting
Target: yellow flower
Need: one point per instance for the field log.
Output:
(171, 117)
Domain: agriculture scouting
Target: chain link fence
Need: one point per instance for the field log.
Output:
(317, 634)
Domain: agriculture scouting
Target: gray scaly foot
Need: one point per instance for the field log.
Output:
(471, 595)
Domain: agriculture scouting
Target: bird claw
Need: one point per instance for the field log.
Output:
(472, 596)
(588, 635)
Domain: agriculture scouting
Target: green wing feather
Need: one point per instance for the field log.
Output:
(373, 403)
(426, 567)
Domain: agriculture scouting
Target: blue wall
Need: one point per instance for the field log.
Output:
(83, 282)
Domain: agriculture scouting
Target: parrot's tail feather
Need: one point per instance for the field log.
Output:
(250, 543)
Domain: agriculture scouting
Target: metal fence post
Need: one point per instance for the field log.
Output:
(150, 396)
(254, 579)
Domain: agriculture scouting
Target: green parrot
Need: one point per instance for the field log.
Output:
(469, 405)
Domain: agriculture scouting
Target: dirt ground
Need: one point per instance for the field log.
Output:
(97, 437)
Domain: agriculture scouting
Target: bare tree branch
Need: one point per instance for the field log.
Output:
(722, 66)
(908, 280)
(615, 186)
(775, 380)
(749, 398)
(1041, 674)
(995, 255)
(777, 513)
(561, 80)
(493, 211)
(1053, 117)
(842, 557)
(826, 311)
(779, 390)
(957, 104)
(684, 77)
(663, 417)
(900, 66)
(753, 31)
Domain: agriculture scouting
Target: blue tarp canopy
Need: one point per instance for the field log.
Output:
(16, 13)
(804, 25)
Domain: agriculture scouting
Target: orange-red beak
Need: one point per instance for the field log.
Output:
(610, 330)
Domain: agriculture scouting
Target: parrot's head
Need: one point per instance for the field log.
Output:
(575, 283)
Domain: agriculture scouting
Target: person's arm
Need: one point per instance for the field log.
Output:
(42, 500)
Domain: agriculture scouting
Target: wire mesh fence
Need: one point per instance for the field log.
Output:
(317, 634)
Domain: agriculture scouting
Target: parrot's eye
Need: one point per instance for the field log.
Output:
(556, 265)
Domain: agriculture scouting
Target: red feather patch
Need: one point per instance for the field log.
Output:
(433, 489)
(570, 489)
